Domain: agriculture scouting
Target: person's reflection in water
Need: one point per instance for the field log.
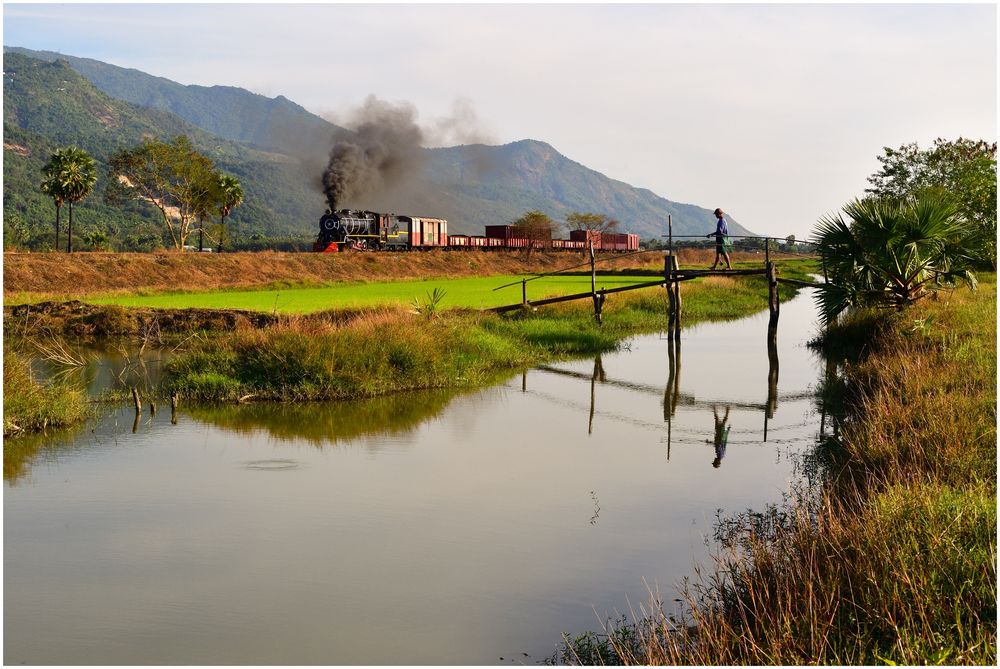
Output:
(721, 436)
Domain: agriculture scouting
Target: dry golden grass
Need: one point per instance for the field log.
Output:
(52, 275)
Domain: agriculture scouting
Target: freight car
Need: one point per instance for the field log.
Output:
(369, 230)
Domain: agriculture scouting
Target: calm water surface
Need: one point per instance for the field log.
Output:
(427, 528)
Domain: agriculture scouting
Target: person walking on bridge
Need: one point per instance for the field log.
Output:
(721, 240)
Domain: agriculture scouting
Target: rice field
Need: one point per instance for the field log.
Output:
(468, 292)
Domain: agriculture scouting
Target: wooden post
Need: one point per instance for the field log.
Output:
(772, 299)
(524, 291)
(670, 234)
(138, 409)
(598, 300)
(599, 304)
(767, 251)
(668, 275)
(173, 407)
(674, 269)
(152, 407)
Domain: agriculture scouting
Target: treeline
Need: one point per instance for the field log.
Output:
(181, 183)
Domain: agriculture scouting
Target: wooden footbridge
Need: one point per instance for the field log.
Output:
(672, 277)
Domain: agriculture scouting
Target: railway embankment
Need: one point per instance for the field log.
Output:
(893, 559)
(34, 277)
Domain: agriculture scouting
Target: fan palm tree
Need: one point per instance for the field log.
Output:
(892, 252)
(76, 178)
(231, 197)
(51, 186)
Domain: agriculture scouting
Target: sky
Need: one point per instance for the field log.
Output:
(775, 113)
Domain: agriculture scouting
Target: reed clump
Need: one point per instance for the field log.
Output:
(30, 405)
(893, 559)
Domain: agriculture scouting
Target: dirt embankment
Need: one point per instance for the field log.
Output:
(62, 275)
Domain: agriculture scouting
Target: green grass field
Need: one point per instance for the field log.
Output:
(473, 292)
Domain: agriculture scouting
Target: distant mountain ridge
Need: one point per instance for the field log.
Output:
(471, 186)
(229, 112)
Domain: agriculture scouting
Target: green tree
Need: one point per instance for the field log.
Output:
(172, 176)
(52, 185)
(96, 240)
(892, 252)
(76, 178)
(15, 231)
(963, 169)
(536, 227)
(232, 197)
(594, 222)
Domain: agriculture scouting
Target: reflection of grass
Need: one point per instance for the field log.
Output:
(894, 562)
(22, 451)
(322, 423)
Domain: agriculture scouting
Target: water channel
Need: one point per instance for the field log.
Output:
(426, 528)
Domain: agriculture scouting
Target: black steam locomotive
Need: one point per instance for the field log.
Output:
(364, 230)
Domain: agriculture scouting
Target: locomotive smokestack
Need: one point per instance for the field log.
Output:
(385, 147)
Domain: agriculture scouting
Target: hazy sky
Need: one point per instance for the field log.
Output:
(775, 113)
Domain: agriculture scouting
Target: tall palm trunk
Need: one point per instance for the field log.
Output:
(69, 231)
(222, 232)
(58, 208)
(201, 234)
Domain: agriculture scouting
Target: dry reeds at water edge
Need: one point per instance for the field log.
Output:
(30, 405)
(893, 559)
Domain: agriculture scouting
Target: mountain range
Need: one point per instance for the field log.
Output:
(278, 150)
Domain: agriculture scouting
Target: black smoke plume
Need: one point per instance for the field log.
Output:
(384, 149)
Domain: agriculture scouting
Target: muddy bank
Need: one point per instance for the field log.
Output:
(79, 319)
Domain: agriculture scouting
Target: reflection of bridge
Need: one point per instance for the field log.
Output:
(682, 398)
(672, 397)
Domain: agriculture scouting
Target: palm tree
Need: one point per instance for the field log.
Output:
(51, 185)
(76, 178)
(231, 197)
(892, 252)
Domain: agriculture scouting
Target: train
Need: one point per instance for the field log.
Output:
(372, 231)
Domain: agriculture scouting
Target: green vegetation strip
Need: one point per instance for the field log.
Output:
(894, 561)
(469, 292)
(394, 350)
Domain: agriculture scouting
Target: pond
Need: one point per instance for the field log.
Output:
(425, 528)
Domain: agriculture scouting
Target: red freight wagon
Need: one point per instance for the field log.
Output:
(500, 231)
(458, 241)
(585, 237)
(427, 232)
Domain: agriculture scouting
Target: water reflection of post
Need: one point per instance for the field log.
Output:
(598, 375)
(672, 392)
(772, 381)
